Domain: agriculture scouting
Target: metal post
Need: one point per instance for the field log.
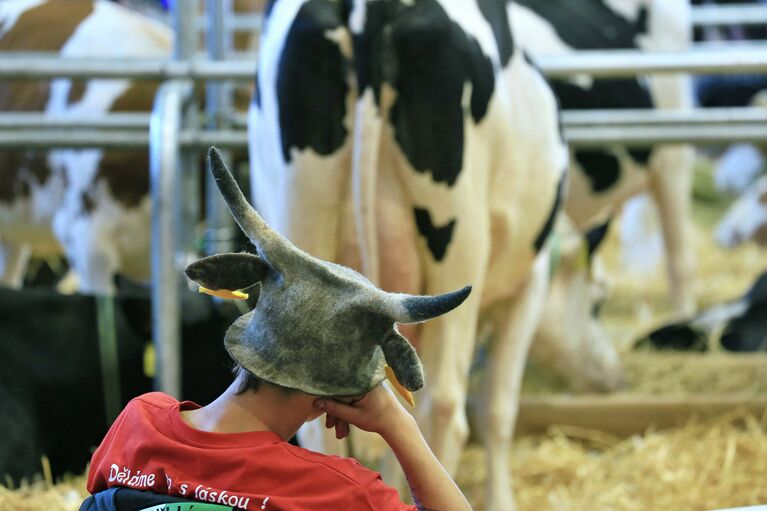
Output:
(165, 171)
(109, 356)
(169, 197)
(219, 231)
(186, 37)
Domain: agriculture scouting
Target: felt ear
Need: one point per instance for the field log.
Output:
(228, 272)
(403, 360)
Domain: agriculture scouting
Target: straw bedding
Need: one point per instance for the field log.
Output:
(703, 465)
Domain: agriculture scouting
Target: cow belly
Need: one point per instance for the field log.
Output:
(528, 173)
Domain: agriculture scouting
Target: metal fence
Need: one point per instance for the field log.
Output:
(172, 125)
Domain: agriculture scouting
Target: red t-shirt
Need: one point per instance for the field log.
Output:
(149, 447)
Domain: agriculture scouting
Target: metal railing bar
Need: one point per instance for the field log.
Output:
(601, 64)
(596, 135)
(572, 118)
(119, 120)
(729, 15)
(648, 135)
(118, 124)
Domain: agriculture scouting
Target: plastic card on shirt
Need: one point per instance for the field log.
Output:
(189, 506)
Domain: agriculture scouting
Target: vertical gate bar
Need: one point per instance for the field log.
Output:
(164, 165)
(219, 225)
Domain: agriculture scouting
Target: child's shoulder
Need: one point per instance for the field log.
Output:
(153, 399)
(348, 468)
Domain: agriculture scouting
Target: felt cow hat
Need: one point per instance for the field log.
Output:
(317, 326)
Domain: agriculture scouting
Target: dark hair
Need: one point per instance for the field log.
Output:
(248, 381)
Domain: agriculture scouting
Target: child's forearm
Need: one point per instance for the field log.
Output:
(432, 487)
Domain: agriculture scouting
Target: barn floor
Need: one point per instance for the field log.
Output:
(715, 463)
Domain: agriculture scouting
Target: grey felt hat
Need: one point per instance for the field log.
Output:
(317, 326)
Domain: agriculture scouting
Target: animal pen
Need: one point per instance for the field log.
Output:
(175, 132)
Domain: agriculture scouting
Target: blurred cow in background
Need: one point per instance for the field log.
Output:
(736, 325)
(92, 204)
(739, 168)
(415, 141)
(571, 341)
(603, 179)
(746, 220)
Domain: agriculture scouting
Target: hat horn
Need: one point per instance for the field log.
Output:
(414, 309)
(271, 246)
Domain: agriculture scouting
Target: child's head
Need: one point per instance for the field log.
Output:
(317, 326)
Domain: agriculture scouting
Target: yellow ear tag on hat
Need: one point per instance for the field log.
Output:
(398, 386)
(226, 294)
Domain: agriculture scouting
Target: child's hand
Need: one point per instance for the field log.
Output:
(378, 411)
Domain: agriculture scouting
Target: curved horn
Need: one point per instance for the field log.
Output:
(414, 309)
(270, 244)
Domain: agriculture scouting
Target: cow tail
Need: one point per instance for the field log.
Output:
(368, 130)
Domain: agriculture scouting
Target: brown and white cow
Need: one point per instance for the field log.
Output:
(425, 123)
(93, 204)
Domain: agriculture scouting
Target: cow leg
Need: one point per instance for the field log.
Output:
(671, 168)
(447, 343)
(13, 263)
(514, 324)
(671, 183)
(91, 253)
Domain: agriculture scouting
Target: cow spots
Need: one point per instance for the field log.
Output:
(603, 94)
(60, 20)
(268, 9)
(758, 292)
(437, 238)
(87, 202)
(747, 332)
(139, 97)
(641, 156)
(495, 13)
(76, 92)
(126, 173)
(594, 238)
(431, 64)
(676, 337)
(549, 225)
(600, 167)
(22, 171)
(312, 82)
(589, 24)
(257, 92)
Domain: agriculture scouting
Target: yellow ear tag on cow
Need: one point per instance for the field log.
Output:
(224, 293)
(398, 386)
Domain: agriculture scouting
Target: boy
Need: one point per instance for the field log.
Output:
(321, 339)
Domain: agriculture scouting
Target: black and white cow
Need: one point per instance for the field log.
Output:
(603, 178)
(414, 140)
(736, 325)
